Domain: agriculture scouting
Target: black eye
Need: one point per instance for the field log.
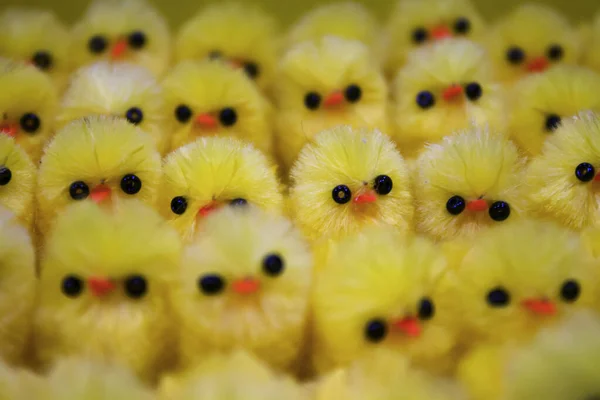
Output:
(228, 116)
(498, 297)
(178, 205)
(375, 330)
(515, 55)
(473, 91)
(238, 202)
(499, 211)
(555, 52)
(72, 286)
(79, 190)
(353, 93)
(251, 69)
(134, 115)
(419, 35)
(585, 172)
(455, 205)
(97, 44)
(5, 176)
(136, 286)
(183, 113)
(273, 265)
(570, 291)
(341, 194)
(552, 122)
(131, 184)
(42, 60)
(30, 122)
(211, 284)
(426, 309)
(312, 101)
(462, 26)
(137, 40)
(425, 99)
(215, 54)
(383, 184)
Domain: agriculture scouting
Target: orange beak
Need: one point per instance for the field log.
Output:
(235, 63)
(207, 209)
(452, 92)
(542, 307)
(539, 64)
(9, 129)
(206, 121)
(100, 193)
(118, 49)
(477, 205)
(366, 197)
(334, 99)
(246, 286)
(441, 32)
(101, 286)
(410, 326)
(597, 177)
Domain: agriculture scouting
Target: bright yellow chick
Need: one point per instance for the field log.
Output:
(122, 30)
(28, 105)
(122, 90)
(246, 287)
(244, 35)
(347, 179)
(17, 180)
(530, 39)
(471, 181)
(100, 158)
(213, 172)
(591, 45)
(208, 98)
(103, 287)
(443, 88)
(326, 83)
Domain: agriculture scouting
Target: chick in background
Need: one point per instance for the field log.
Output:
(590, 39)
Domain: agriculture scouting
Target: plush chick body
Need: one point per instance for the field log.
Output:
(117, 31)
(28, 105)
(121, 90)
(17, 180)
(590, 37)
(245, 288)
(442, 88)
(100, 158)
(347, 179)
(322, 84)
(209, 98)
(213, 172)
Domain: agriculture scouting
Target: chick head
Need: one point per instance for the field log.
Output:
(245, 287)
(243, 35)
(531, 39)
(122, 30)
(212, 172)
(28, 103)
(17, 180)
(98, 158)
(208, 98)
(470, 181)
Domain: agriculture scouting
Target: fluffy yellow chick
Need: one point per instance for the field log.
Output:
(212, 172)
(530, 39)
(17, 180)
(415, 23)
(208, 98)
(103, 287)
(100, 158)
(347, 179)
(122, 90)
(591, 44)
(28, 105)
(246, 287)
(38, 37)
(377, 289)
(325, 83)
(442, 88)
(242, 34)
(122, 30)
(470, 181)
(562, 183)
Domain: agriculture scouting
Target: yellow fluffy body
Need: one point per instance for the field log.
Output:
(114, 89)
(18, 194)
(323, 67)
(354, 158)
(434, 69)
(208, 87)
(89, 243)
(216, 170)
(591, 44)
(268, 322)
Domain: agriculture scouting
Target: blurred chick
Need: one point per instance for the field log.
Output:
(28, 105)
(591, 44)
(530, 39)
(213, 172)
(415, 23)
(377, 289)
(246, 287)
(123, 90)
(38, 37)
(208, 98)
(244, 35)
(442, 88)
(469, 182)
(323, 84)
(17, 180)
(122, 30)
(347, 179)
(103, 287)
(100, 158)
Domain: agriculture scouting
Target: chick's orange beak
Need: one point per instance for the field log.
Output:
(118, 49)
(477, 205)
(410, 326)
(101, 286)
(538, 64)
(540, 306)
(334, 99)
(235, 63)
(100, 193)
(207, 209)
(206, 121)
(441, 32)
(366, 197)
(597, 177)
(452, 92)
(246, 286)
(9, 129)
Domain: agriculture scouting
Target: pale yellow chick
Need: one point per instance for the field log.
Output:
(18, 177)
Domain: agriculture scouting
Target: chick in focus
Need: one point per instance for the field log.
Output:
(17, 180)
(122, 30)
(591, 44)
(100, 158)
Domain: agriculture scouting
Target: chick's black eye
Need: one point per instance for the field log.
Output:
(273, 265)
(79, 190)
(251, 69)
(183, 113)
(383, 184)
(425, 99)
(134, 115)
(136, 286)
(555, 52)
(211, 284)
(178, 205)
(42, 60)
(215, 54)
(97, 44)
(498, 297)
(455, 205)
(353, 93)
(473, 91)
(228, 116)
(239, 202)
(341, 194)
(375, 330)
(499, 211)
(570, 291)
(585, 172)
(419, 35)
(5, 176)
(72, 286)
(312, 101)
(462, 26)
(131, 184)
(137, 40)
(515, 55)
(426, 309)
(30, 122)
(552, 122)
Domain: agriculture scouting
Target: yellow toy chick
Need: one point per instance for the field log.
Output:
(213, 172)
(122, 30)
(208, 98)
(347, 179)
(530, 39)
(326, 83)
(591, 44)
(246, 287)
(17, 180)
(243, 35)
(100, 158)
(443, 88)
(28, 105)
(103, 287)
(121, 90)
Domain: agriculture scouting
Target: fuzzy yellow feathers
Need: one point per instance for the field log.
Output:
(17, 180)
(590, 56)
